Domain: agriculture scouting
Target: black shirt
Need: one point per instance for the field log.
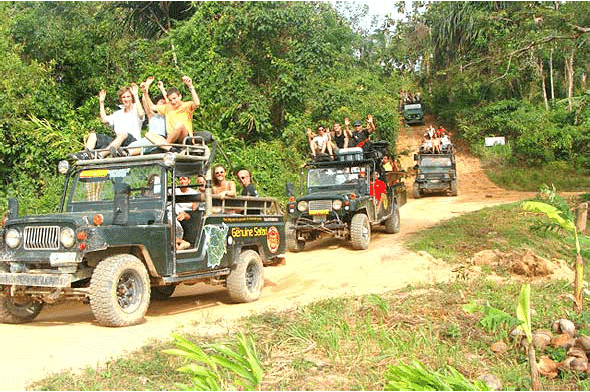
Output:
(249, 190)
(339, 140)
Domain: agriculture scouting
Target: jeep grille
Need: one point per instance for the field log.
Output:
(319, 205)
(41, 237)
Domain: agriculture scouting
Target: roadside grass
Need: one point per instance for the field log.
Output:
(505, 227)
(348, 343)
(496, 163)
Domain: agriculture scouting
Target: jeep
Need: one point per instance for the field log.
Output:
(112, 243)
(435, 173)
(413, 114)
(338, 202)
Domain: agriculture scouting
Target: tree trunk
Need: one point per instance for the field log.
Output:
(578, 284)
(535, 384)
(551, 77)
(569, 68)
(543, 87)
(581, 213)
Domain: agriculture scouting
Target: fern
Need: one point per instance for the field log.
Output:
(493, 318)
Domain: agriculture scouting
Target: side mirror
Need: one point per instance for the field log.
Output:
(121, 207)
(289, 190)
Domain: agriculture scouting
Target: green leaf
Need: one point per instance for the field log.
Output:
(523, 311)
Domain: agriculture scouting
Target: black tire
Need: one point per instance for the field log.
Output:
(360, 231)
(293, 245)
(19, 312)
(245, 280)
(416, 191)
(119, 291)
(454, 191)
(392, 224)
(163, 292)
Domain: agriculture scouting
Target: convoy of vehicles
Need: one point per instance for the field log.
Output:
(112, 243)
(337, 200)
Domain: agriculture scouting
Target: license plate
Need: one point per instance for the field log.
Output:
(319, 212)
(62, 258)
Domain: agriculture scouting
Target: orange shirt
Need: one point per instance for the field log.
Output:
(181, 116)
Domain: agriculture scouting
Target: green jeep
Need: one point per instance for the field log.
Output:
(436, 173)
(413, 114)
(338, 203)
(112, 243)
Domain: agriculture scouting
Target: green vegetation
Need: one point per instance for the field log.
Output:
(360, 343)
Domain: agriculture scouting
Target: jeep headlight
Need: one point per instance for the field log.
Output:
(446, 175)
(63, 167)
(337, 204)
(12, 238)
(67, 237)
(421, 176)
(302, 206)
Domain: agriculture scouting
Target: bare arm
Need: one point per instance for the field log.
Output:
(103, 115)
(163, 90)
(135, 93)
(370, 123)
(189, 83)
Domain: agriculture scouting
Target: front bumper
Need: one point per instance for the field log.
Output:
(36, 280)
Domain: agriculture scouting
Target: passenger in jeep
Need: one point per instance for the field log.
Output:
(245, 179)
(378, 188)
(222, 187)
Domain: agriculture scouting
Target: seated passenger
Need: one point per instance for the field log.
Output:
(377, 189)
(245, 179)
(221, 186)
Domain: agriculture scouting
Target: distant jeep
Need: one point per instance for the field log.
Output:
(436, 173)
(413, 114)
(112, 243)
(337, 200)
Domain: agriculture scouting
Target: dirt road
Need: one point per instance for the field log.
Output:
(65, 336)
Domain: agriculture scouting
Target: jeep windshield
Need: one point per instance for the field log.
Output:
(96, 187)
(335, 177)
(433, 164)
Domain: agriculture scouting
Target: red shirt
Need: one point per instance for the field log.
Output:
(377, 189)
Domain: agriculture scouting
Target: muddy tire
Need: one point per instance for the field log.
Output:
(162, 292)
(293, 244)
(453, 190)
(392, 224)
(416, 191)
(245, 280)
(14, 311)
(119, 291)
(360, 231)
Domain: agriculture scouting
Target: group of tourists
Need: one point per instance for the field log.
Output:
(327, 143)
(169, 121)
(408, 98)
(222, 187)
(436, 141)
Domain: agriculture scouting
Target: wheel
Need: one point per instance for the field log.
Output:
(119, 291)
(454, 191)
(19, 310)
(245, 281)
(416, 191)
(392, 224)
(293, 244)
(360, 231)
(163, 292)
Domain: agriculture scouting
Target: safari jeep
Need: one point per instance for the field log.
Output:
(112, 243)
(436, 173)
(337, 200)
(413, 114)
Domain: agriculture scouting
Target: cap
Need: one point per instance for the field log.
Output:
(357, 123)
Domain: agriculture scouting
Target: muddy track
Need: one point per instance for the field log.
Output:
(65, 336)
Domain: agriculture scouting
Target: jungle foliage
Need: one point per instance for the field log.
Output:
(264, 72)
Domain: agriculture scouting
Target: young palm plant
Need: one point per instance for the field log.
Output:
(561, 218)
